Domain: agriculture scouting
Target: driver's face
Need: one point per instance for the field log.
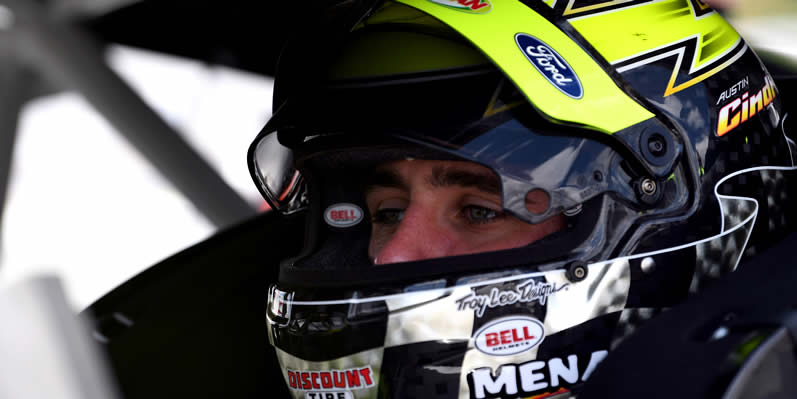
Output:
(430, 209)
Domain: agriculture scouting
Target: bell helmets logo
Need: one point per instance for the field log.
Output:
(509, 336)
(343, 215)
(469, 6)
(550, 64)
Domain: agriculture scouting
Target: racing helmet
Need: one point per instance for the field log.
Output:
(650, 125)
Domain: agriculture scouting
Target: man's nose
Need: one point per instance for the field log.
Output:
(419, 235)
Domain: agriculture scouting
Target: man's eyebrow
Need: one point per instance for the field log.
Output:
(452, 176)
(384, 178)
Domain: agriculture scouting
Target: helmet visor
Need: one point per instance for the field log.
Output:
(472, 115)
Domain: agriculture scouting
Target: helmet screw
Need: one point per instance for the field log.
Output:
(598, 176)
(648, 265)
(647, 191)
(648, 186)
(657, 145)
(576, 271)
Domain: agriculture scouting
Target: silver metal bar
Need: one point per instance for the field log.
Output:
(16, 84)
(66, 55)
(45, 349)
(79, 9)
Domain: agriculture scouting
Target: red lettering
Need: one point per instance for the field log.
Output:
(492, 339)
(366, 373)
(339, 382)
(473, 4)
(526, 334)
(314, 378)
(505, 337)
(326, 379)
(318, 380)
(515, 338)
(353, 378)
(342, 215)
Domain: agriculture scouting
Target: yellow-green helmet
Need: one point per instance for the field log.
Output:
(649, 124)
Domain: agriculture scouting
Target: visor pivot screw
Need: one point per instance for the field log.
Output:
(648, 265)
(598, 176)
(656, 145)
(576, 271)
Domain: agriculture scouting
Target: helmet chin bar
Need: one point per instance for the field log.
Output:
(499, 334)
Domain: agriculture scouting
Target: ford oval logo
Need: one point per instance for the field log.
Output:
(550, 64)
(343, 215)
(509, 335)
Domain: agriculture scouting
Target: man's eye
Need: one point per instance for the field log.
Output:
(387, 216)
(480, 214)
